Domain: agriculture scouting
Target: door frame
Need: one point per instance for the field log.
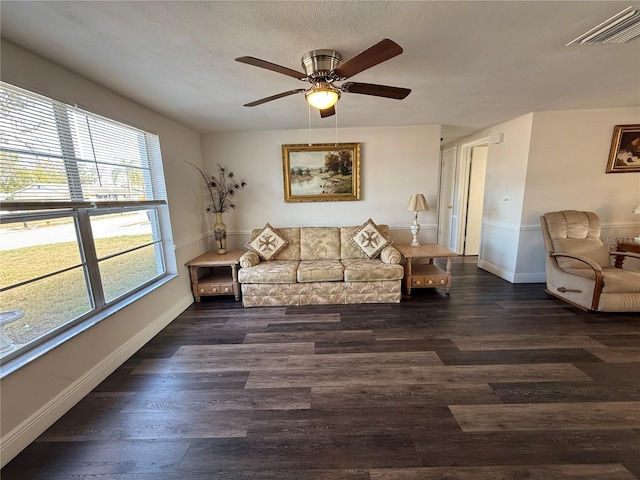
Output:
(461, 188)
(466, 151)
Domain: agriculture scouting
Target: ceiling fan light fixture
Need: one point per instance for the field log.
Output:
(322, 96)
(324, 67)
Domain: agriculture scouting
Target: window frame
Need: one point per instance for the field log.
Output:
(81, 210)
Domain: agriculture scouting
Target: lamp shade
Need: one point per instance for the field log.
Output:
(417, 203)
(637, 209)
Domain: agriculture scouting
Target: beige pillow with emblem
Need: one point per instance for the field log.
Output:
(370, 239)
(267, 243)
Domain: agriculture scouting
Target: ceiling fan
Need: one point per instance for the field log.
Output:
(325, 67)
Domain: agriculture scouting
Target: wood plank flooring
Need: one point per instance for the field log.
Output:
(494, 381)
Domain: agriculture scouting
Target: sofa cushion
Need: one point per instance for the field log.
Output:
(348, 249)
(320, 271)
(267, 242)
(279, 271)
(292, 250)
(370, 239)
(362, 270)
(319, 243)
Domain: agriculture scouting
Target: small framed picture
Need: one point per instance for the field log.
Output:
(325, 172)
(624, 155)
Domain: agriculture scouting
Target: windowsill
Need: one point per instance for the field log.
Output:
(21, 360)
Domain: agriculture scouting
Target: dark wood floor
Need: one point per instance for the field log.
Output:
(494, 381)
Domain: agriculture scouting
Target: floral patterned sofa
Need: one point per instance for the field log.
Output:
(320, 265)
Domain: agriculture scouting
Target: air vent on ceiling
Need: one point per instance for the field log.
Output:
(620, 28)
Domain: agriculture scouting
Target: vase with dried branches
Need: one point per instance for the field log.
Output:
(220, 192)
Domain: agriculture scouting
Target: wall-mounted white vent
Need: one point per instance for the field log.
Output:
(620, 28)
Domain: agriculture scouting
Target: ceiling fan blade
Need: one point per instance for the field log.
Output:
(327, 112)
(273, 97)
(397, 93)
(256, 62)
(379, 53)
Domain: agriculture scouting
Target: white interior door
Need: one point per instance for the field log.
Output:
(475, 199)
(447, 218)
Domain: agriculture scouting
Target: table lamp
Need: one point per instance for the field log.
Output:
(417, 203)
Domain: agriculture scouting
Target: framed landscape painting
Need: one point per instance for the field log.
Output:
(323, 172)
(624, 155)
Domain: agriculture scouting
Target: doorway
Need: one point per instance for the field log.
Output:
(475, 202)
(462, 184)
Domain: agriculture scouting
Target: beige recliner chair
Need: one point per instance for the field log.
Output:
(579, 268)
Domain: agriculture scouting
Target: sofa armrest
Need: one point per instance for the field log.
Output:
(390, 255)
(249, 259)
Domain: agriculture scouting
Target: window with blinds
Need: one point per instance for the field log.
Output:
(55, 152)
(82, 206)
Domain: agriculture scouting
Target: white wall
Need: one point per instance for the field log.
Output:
(551, 161)
(36, 395)
(395, 162)
(505, 178)
(566, 170)
(574, 145)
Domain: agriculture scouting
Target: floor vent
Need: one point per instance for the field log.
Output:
(620, 28)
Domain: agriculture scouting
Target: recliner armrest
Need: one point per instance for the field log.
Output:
(620, 257)
(597, 269)
(625, 254)
(580, 258)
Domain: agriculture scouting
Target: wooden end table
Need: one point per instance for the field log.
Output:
(426, 275)
(218, 281)
(633, 247)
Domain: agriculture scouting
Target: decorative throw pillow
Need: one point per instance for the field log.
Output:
(267, 243)
(370, 239)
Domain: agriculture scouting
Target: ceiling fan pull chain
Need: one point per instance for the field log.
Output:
(336, 125)
(309, 124)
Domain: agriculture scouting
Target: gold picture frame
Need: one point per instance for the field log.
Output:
(322, 172)
(624, 155)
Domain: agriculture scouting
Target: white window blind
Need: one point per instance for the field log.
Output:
(50, 151)
(82, 211)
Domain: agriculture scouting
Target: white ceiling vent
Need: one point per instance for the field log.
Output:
(620, 28)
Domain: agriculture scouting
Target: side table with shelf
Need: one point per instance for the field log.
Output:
(626, 246)
(426, 275)
(222, 275)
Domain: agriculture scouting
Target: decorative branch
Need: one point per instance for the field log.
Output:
(220, 189)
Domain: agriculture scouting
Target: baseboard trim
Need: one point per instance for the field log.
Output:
(530, 277)
(512, 276)
(22, 435)
(500, 272)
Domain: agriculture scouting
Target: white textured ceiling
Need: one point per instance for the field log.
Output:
(469, 64)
